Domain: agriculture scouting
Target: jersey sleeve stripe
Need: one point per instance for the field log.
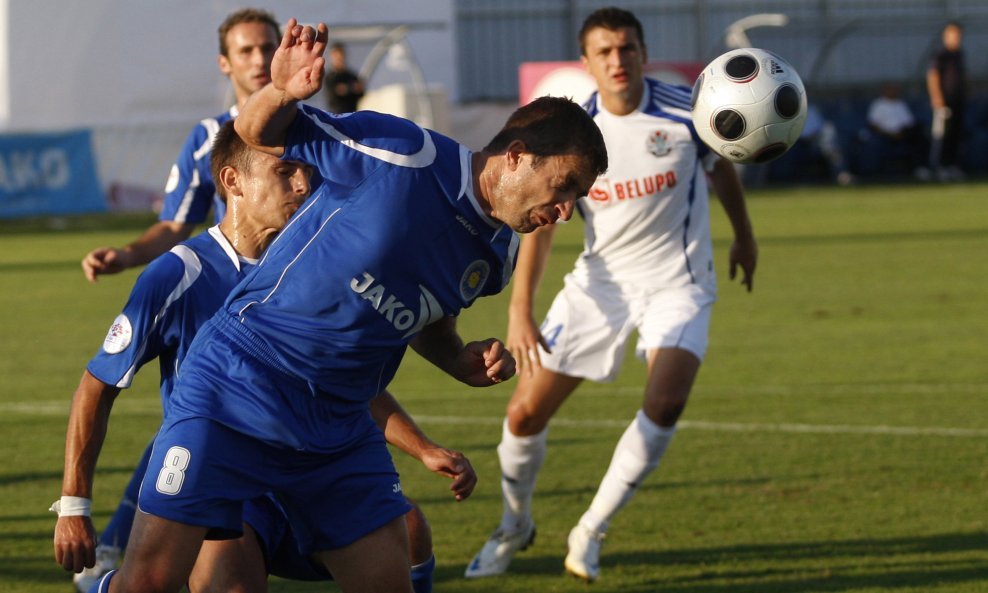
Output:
(418, 160)
(193, 268)
(667, 95)
(212, 128)
(182, 214)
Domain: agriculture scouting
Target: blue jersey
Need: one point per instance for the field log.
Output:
(190, 191)
(172, 298)
(392, 240)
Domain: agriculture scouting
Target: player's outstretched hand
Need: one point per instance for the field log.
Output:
(524, 339)
(297, 65)
(75, 543)
(454, 465)
(484, 363)
(744, 254)
(103, 260)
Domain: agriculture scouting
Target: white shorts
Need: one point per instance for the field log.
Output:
(589, 324)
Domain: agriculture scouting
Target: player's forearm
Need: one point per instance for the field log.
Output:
(730, 192)
(533, 255)
(440, 344)
(398, 427)
(88, 420)
(158, 239)
(263, 124)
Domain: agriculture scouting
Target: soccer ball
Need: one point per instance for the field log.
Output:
(749, 106)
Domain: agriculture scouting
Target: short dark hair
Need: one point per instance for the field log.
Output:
(246, 15)
(229, 150)
(612, 19)
(553, 126)
(338, 46)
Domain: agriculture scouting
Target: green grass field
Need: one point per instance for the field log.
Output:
(837, 439)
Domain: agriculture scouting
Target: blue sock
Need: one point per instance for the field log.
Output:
(422, 576)
(117, 532)
(102, 585)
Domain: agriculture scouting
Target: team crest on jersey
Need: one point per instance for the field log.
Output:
(119, 336)
(474, 279)
(657, 143)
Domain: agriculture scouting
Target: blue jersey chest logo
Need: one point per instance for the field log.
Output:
(403, 317)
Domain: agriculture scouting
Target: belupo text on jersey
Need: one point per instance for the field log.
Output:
(607, 191)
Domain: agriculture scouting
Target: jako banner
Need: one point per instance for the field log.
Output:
(48, 174)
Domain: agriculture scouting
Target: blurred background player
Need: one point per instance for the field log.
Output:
(343, 87)
(647, 265)
(247, 40)
(946, 82)
(170, 301)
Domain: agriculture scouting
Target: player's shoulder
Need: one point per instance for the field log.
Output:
(178, 262)
(380, 135)
(365, 126)
(186, 260)
(668, 97)
(213, 124)
(209, 250)
(200, 138)
(590, 105)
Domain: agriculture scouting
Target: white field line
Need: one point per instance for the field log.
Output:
(729, 426)
(149, 406)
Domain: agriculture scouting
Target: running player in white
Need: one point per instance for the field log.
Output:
(647, 266)
(247, 40)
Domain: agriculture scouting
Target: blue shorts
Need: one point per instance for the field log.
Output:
(201, 472)
(278, 544)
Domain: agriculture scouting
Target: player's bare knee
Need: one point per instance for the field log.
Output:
(149, 579)
(525, 420)
(665, 411)
(419, 535)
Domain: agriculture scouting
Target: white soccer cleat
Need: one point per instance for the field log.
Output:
(494, 558)
(583, 558)
(107, 558)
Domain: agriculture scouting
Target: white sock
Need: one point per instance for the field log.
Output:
(521, 459)
(637, 453)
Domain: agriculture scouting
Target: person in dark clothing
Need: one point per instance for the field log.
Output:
(344, 88)
(946, 82)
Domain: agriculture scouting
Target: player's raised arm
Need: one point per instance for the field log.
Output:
(296, 74)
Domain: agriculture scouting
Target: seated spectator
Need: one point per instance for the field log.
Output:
(890, 116)
(892, 136)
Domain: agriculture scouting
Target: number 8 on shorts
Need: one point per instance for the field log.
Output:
(172, 473)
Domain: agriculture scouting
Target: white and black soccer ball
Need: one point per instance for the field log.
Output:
(749, 106)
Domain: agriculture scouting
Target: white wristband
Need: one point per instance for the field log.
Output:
(72, 506)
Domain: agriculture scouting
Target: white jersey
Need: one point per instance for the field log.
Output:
(647, 218)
